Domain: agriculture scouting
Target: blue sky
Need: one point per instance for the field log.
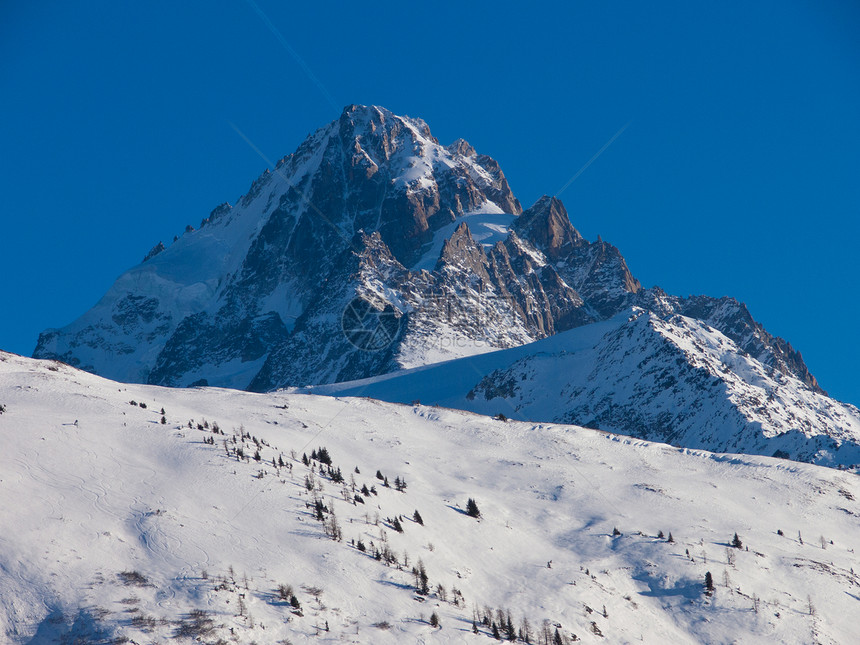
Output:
(738, 174)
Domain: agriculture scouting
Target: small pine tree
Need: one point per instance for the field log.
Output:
(163, 420)
(417, 517)
(379, 475)
(660, 535)
(472, 508)
(396, 525)
(474, 627)
(305, 459)
(422, 585)
(434, 619)
(510, 630)
(615, 531)
(496, 633)
(709, 583)
(736, 542)
(670, 539)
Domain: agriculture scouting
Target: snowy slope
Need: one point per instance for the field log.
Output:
(670, 379)
(116, 526)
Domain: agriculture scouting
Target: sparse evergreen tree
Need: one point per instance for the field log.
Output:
(417, 517)
(660, 535)
(472, 508)
(615, 532)
(525, 631)
(305, 459)
(365, 491)
(257, 456)
(736, 542)
(474, 627)
(434, 619)
(396, 525)
(670, 539)
(556, 639)
(510, 630)
(422, 585)
(709, 583)
(379, 475)
(163, 420)
(496, 633)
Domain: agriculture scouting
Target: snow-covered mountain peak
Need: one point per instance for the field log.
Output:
(368, 206)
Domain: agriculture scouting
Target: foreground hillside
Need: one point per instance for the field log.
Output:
(123, 523)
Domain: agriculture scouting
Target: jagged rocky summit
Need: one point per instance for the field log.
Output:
(372, 214)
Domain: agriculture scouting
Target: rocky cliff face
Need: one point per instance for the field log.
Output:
(371, 229)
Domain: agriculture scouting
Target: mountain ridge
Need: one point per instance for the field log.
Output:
(248, 300)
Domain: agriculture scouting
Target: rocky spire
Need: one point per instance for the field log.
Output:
(547, 226)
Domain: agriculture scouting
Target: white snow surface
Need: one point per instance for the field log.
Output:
(115, 526)
(676, 376)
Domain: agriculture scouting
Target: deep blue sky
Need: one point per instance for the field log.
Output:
(738, 175)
